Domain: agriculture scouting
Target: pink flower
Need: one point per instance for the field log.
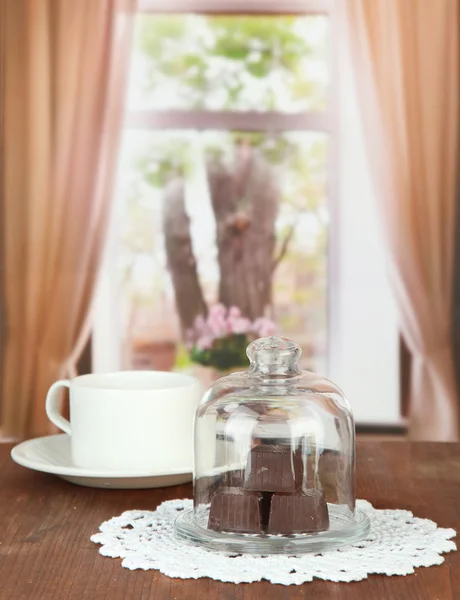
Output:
(205, 342)
(216, 324)
(264, 327)
(222, 322)
(217, 310)
(239, 325)
(234, 312)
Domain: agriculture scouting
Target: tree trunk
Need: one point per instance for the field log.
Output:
(180, 258)
(245, 201)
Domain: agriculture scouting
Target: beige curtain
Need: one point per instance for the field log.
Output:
(406, 59)
(65, 65)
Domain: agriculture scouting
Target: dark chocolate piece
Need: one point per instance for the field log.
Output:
(303, 512)
(273, 468)
(233, 478)
(336, 476)
(206, 487)
(236, 510)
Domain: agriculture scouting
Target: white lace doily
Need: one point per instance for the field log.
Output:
(397, 543)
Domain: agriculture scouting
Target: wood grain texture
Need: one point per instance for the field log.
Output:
(46, 523)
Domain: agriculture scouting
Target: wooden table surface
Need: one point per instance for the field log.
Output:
(46, 523)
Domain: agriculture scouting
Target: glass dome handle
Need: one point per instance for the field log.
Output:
(274, 356)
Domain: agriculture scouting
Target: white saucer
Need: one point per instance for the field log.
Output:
(51, 454)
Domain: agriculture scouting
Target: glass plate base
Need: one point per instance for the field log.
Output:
(344, 529)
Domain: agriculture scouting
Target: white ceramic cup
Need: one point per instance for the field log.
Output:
(135, 422)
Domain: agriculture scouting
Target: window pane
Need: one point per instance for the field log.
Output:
(237, 63)
(212, 216)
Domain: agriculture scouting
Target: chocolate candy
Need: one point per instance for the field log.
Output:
(206, 487)
(233, 479)
(303, 512)
(235, 510)
(272, 496)
(336, 477)
(273, 468)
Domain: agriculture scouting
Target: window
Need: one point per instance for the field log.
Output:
(227, 181)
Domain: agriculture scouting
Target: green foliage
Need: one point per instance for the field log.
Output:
(164, 161)
(201, 53)
(226, 353)
(168, 157)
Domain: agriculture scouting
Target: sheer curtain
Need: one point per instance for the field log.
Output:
(406, 59)
(64, 79)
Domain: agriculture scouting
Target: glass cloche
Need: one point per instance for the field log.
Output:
(274, 460)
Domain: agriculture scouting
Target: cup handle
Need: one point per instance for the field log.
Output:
(52, 408)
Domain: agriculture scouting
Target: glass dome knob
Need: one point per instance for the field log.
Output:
(274, 356)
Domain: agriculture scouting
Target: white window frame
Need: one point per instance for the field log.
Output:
(245, 7)
(340, 360)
